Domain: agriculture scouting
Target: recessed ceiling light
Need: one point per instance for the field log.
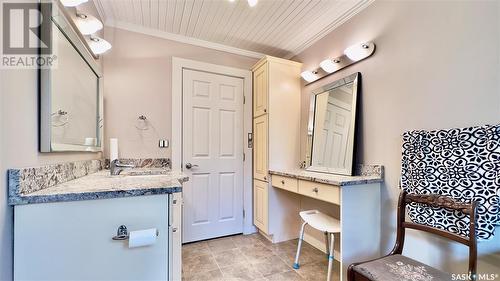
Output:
(252, 3)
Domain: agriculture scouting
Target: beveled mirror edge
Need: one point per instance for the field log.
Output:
(354, 78)
(45, 98)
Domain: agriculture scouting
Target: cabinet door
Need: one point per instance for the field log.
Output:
(260, 205)
(260, 156)
(72, 240)
(260, 90)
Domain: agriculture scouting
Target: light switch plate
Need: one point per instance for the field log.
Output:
(163, 144)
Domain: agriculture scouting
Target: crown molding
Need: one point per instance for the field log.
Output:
(183, 39)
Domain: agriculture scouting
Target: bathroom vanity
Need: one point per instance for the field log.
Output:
(65, 230)
(354, 200)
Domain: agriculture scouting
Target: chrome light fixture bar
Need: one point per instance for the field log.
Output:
(351, 55)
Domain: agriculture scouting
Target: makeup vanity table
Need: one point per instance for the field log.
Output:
(357, 203)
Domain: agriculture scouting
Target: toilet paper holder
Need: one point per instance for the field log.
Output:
(122, 233)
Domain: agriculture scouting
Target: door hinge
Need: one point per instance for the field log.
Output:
(244, 156)
(244, 99)
(243, 213)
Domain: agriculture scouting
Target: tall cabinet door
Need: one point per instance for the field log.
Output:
(260, 205)
(260, 167)
(260, 86)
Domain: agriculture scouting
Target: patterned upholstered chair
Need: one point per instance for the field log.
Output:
(395, 266)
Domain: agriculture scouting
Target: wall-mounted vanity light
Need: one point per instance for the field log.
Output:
(351, 55)
(310, 76)
(98, 45)
(73, 3)
(87, 24)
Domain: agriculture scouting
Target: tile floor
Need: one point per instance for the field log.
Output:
(252, 257)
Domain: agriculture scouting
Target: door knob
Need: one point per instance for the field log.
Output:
(189, 166)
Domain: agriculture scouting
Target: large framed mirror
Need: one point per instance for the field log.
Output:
(332, 126)
(71, 99)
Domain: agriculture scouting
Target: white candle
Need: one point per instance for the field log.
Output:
(113, 149)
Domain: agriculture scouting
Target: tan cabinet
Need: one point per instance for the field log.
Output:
(323, 192)
(260, 156)
(261, 203)
(260, 89)
(276, 126)
(285, 183)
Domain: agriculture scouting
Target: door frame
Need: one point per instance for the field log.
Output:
(178, 65)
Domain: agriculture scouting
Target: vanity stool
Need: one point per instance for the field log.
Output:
(324, 223)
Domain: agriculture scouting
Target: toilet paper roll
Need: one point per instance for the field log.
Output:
(142, 238)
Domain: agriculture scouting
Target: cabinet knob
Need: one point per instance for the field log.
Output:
(265, 178)
(315, 190)
(282, 182)
(265, 110)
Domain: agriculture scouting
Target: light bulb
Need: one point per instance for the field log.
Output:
(252, 3)
(73, 3)
(357, 52)
(88, 24)
(309, 76)
(329, 65)
(98, 45)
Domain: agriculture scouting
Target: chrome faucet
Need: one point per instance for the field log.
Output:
(115, 167)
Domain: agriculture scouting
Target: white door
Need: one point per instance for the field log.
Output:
(212, 155)
(336, 133)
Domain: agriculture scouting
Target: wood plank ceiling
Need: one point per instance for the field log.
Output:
(280, 28)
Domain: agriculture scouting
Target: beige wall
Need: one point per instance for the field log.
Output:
(138, 82)
(436, 66)
(19, 146)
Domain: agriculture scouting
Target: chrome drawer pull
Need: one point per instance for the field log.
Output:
(315, 190)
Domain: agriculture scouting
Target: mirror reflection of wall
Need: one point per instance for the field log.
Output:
(331, 132)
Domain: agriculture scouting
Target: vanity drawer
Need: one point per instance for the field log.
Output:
(320, 191)
(286, 183)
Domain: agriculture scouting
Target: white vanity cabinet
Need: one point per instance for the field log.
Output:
(276, 110)
(358, 205)
(73, 240)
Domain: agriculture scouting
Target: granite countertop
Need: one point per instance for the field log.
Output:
(101, 185)
(332, 179)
